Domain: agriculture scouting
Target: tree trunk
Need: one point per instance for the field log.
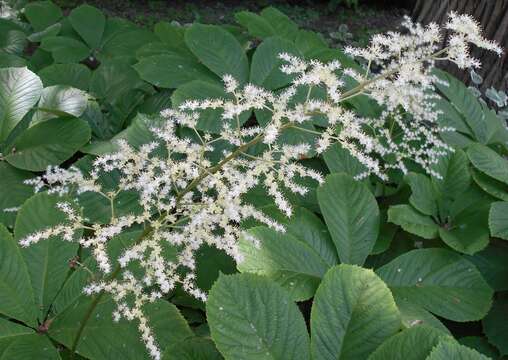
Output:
(493, 16)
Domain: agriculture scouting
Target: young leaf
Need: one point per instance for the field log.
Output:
(415, 343)
(352, 216)
(49, 143)
(412, 221)
(498, 220)
(47, 260)
(353, 313)
(440, 281)
(218, 50)
(89, 22)
(279, 256)
(251, 317)
(16, 295)
(20, 89)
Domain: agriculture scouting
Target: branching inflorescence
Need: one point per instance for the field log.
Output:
(187, 200)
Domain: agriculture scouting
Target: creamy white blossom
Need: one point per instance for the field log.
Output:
(192, 191)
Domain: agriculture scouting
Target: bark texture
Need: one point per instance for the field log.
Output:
(493, 16)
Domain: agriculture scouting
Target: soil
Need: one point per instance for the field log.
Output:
(340, 25)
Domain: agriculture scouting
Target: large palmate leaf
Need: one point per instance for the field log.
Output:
(49, 143)
(491, 262)
(451, 350)
(22, 343)
(13, 192)
(218, 50)
(89, 22)
(455, 176)
(423, 197)
(16, 295)
(489, 162)
(282, 24)
(251, 317)
(490, 185)
(279, 256)
(352, 314)
(498, 220)
(413, 314)
(339, 159)
(48, 259)
(265, 69)
(172, 70)
(105, 339)
(440, 281)
(20, 89)
(352, 216)
(255, 24)
(415, 343)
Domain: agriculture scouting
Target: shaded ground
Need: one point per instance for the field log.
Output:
(339, 26)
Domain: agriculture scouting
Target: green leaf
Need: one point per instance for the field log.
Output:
(75, 75)
(279, 256)
(13, 42)
(491, 262)
(251, 317)
(89, 22)
(412, 221)
(113, 80)
(451, 350)
(62, 100)
(495, 324)
(310, 42)
(440, 281)
(51, 30)
(498, 219)
(49, 143)
(9, 60)
(65, 49)
(104, 339)
(218, 50)
(48, 259)
(13, 192)
(255, 24)
(352, 216)
(171, 71)
(481, 345)
(16, 294)
(455, 174)
(466, 103)
(42, 14)
(20, 90)
(413, 314)
(124, 42)
(353, 313)
(489, 162)
(194, 348)
(283, 25)
(339, 159)
(210, 120)
(423, 197)
(265, 69)
(491, 186)
(22, 343)
(414, 343)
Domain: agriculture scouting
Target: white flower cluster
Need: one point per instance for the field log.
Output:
(187, 200)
